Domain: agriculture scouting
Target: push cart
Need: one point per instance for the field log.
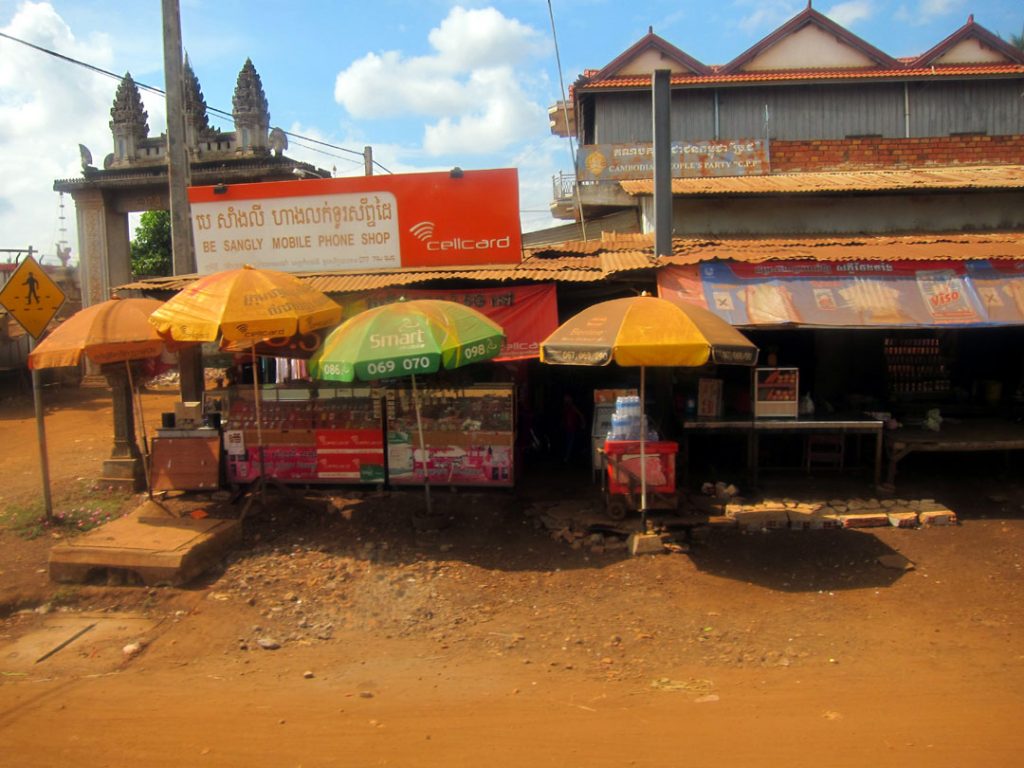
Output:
(621, 479)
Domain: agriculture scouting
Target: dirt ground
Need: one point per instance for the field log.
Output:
(338, 635)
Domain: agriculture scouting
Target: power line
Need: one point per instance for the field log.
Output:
(565, 116)
(160, 92)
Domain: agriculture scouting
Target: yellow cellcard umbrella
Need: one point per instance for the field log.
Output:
(245, 305)
(643, 331)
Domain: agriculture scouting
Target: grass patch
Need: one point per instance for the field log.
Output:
(81, 509)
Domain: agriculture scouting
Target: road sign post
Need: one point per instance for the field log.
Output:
(33, 298)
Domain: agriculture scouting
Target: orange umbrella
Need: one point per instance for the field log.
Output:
(112, 331)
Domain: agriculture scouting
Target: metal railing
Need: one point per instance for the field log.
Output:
(563, 186)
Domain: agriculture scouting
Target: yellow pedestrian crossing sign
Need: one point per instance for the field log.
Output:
(32, 297)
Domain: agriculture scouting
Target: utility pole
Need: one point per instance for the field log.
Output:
(661, 108)
(368, 161)
(190, 364)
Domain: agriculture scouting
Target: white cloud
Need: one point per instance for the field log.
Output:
(471, 39)
(47, 108)
(849, 13)
(472, 86)
(927, 11)
(766, 15)
(502, 115)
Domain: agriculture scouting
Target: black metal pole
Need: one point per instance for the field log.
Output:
(661, 108)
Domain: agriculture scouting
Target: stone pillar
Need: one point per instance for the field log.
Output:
(124, 467)
(104, 246)
(92, 245)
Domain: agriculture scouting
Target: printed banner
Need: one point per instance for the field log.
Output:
(909, 294)
(528, 314)
(489, 464)
(619, 162)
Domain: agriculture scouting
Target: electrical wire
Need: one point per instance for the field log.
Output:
(565, 116)
(160, 92)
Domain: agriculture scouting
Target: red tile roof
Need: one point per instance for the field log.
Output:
(804, 75)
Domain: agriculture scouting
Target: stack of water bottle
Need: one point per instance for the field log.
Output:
(626, 420)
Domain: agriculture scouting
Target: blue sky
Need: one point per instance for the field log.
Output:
(429, 84)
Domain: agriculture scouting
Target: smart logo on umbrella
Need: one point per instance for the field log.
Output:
(407, 335)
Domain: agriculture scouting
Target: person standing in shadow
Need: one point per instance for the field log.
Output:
(573, 426)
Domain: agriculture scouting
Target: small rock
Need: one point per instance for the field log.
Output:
(268, 644)
(366, 694)
(132, 649)
(308, 674)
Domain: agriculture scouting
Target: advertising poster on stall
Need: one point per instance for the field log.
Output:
(353, 455)
(851, 294)
(468, 433)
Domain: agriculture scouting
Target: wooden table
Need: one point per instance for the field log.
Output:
(954, 435)
(752, 429)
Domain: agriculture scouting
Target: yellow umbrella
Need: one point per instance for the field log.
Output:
(645, 330)
(246, 305)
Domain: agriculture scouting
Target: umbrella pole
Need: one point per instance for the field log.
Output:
(259, 425)
(643, 456)
(137, 402)
(423, 447)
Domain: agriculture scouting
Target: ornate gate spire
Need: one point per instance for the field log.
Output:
(251, 111)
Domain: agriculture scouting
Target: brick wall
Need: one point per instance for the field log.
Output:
(854, 154)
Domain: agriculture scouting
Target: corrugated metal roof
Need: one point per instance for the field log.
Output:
(615, 254)
(804, 75)
(945, 177)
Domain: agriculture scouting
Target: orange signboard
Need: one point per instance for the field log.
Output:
(365, 222)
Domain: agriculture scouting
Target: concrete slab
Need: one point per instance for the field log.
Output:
(171, 552)
(645, 544)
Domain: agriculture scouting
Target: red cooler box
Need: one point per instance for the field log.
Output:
(623, 459)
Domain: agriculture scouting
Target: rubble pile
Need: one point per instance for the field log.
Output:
(836, 513)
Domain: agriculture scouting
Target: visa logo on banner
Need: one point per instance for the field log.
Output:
(356, 223)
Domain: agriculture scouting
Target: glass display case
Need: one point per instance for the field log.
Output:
(326, 434)
(776, 392)
(468, 432)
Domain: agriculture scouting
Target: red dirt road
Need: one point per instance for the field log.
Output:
(490, 643)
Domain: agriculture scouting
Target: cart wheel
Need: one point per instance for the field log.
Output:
(616, 509)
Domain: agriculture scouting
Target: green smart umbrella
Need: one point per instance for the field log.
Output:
(407, 338)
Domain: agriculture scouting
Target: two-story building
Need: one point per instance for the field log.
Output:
(821, 185)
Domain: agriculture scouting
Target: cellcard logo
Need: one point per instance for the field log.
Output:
(424, 232)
